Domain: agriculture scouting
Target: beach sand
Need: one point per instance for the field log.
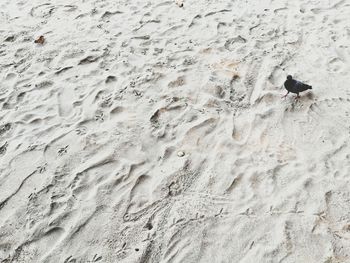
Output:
(154, 131)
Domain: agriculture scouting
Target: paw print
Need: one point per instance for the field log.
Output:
(107, 102)
(32, 196)
(80, 130)
(96, 258)
(137, 93)
(42, 168)
(32, 147)
(63, 150)
(99, 116)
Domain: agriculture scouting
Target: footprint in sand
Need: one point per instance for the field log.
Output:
(63, 150)
(99, 116)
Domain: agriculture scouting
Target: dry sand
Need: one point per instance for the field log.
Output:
(142, 131)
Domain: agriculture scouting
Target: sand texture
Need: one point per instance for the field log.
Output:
(154, 131)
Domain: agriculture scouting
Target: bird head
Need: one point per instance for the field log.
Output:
(289, 77)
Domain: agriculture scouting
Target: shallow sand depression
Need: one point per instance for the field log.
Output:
(143, 131)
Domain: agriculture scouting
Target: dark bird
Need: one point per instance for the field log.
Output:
(295, 86)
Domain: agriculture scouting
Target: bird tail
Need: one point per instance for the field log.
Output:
(310, 87)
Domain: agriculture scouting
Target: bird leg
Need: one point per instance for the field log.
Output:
(284, 96)
(297, 97)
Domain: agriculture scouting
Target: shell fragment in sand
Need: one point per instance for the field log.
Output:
(181, 154)
(40, 40)
(180, 3)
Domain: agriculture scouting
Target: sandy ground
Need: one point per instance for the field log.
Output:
(142, 131)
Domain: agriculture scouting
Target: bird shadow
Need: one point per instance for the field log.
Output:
(310, 95)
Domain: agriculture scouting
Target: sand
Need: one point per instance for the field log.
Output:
(154, 131)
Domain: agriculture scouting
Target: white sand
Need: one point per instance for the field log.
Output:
(146, 132)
